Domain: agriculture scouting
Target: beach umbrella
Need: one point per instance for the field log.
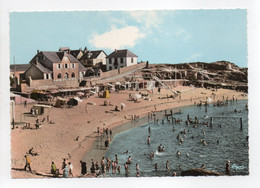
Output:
(137, 96)
(123, 104)
(80, 93)
(149, 91)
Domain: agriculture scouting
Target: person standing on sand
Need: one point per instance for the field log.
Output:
(66, 171)
(83, 168)
(71, 169)
(27, 163)
(63, 164)
(53, 168)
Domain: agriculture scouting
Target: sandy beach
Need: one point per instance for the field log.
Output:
(53, 142)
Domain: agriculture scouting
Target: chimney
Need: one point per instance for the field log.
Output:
(37, 59)
(115, 50)
(38, 51)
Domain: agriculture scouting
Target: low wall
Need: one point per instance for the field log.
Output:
(115, 72)
(48, 84)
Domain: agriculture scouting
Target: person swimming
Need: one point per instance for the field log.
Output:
(148, 140)
(151, 155)
(167, 165)
(156, 166)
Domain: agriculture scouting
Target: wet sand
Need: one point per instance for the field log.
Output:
(53, 142)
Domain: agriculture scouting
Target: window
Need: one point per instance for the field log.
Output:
(110, 61)
(66, 75)
(66, 66)
(58, 66)
(132, 60)
(47, 76)
(73, 75)
(122, 61)
(110, 68)
(73, 65)
(59, 75)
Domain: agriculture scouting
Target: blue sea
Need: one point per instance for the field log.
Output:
(225, 141)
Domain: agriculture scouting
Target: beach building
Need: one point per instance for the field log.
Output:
(15, 72)
(95, 59)
(120, 59)
(53, 69)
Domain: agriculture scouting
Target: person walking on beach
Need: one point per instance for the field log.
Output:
(228, 168)
(83, 168)
(63, 164)
(66, 171)
(53, 168)
(92, 169)
(71, 169)
(27, 163)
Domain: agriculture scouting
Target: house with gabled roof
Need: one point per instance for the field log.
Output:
(76, 53)
(120, 59)
(95, 59)
(51, 65)
(16, 70)
(53, 69)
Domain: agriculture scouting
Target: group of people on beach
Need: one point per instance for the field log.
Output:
(66, 166)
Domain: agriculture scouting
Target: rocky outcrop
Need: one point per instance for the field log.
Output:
(199, 172)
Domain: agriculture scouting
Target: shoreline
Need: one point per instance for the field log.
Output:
(96, 153)
(55, 141)
(120, 128)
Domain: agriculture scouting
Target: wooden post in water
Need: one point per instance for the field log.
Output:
(241, 123)
(211, 121)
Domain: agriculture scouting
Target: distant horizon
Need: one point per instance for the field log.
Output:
(157, 36)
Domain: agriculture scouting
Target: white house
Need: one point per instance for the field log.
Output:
(120, 59)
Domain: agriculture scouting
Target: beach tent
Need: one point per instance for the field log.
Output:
(106, 94)
(60, 102)
(137, 96)
(18, 99)
(74, 101)
(39, 108)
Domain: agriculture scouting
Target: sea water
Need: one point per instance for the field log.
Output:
(225, 141)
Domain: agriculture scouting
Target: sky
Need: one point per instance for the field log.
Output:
(157, 36)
